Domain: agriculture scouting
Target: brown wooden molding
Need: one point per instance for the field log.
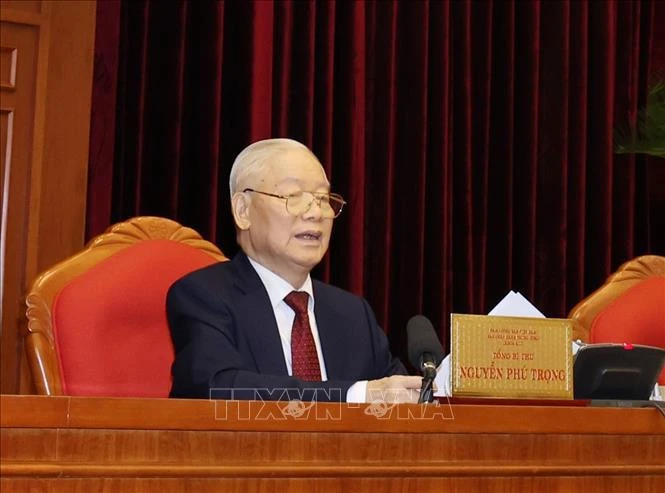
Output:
(306, 470)
(184, 414)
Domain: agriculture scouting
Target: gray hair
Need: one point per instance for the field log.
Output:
(254, 158)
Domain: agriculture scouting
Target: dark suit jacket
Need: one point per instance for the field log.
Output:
(227, 343)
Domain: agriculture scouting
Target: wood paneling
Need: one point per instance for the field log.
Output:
(8, 57)
(86, 444)
(46, 58)
(17, 110)
(184, 414)
(23, 5)
(351, 485)
(65, 169)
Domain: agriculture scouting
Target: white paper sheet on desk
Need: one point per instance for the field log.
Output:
(512, 305)
(515, 305)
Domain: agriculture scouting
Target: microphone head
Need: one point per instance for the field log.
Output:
(422, 339)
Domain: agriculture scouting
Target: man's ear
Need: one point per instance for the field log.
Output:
(240, 205)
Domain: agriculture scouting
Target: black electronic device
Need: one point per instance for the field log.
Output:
(616, 371)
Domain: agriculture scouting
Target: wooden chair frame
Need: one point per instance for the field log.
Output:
(39, 339)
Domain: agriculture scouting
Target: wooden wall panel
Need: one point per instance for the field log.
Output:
(18, 111)
(61, 227)
(44, 126)
(23, 5)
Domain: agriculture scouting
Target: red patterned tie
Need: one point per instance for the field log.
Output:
(304, 358)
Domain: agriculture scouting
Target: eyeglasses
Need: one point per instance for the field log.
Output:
(331, 204)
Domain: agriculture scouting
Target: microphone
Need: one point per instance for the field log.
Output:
(425, 352)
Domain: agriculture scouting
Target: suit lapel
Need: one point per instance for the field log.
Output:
(332, 325)
(256, 319)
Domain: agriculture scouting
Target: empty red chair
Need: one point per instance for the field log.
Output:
(97, 321)
(629, 307)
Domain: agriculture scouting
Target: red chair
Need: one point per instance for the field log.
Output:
(97, 321)
(629, 307)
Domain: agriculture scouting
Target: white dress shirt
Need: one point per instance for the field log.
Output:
(277, 289)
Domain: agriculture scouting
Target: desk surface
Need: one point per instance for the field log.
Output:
(118, 444)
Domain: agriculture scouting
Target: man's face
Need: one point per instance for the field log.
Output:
(286, 244)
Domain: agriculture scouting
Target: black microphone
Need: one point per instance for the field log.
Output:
(425, 352)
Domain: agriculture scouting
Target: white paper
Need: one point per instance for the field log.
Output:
(515, 305)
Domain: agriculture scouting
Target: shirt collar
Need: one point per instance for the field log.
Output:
(277, 287)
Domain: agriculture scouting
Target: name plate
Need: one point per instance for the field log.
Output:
(512, 357)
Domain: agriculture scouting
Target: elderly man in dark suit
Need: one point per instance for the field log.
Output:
(258, 327)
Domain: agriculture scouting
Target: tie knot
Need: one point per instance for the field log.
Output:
(298, 301)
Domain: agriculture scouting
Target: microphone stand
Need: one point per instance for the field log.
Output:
(426, 391)
(429, 374)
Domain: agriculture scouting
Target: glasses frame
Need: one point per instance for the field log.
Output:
(316, 196)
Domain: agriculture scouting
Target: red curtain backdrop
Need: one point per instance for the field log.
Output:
(473, 140)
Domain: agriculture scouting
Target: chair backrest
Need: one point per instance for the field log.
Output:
(629, 307)
(97, 321)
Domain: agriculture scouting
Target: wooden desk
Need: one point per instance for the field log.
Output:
(54, 444)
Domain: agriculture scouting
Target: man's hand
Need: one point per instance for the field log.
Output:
(397, 388)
